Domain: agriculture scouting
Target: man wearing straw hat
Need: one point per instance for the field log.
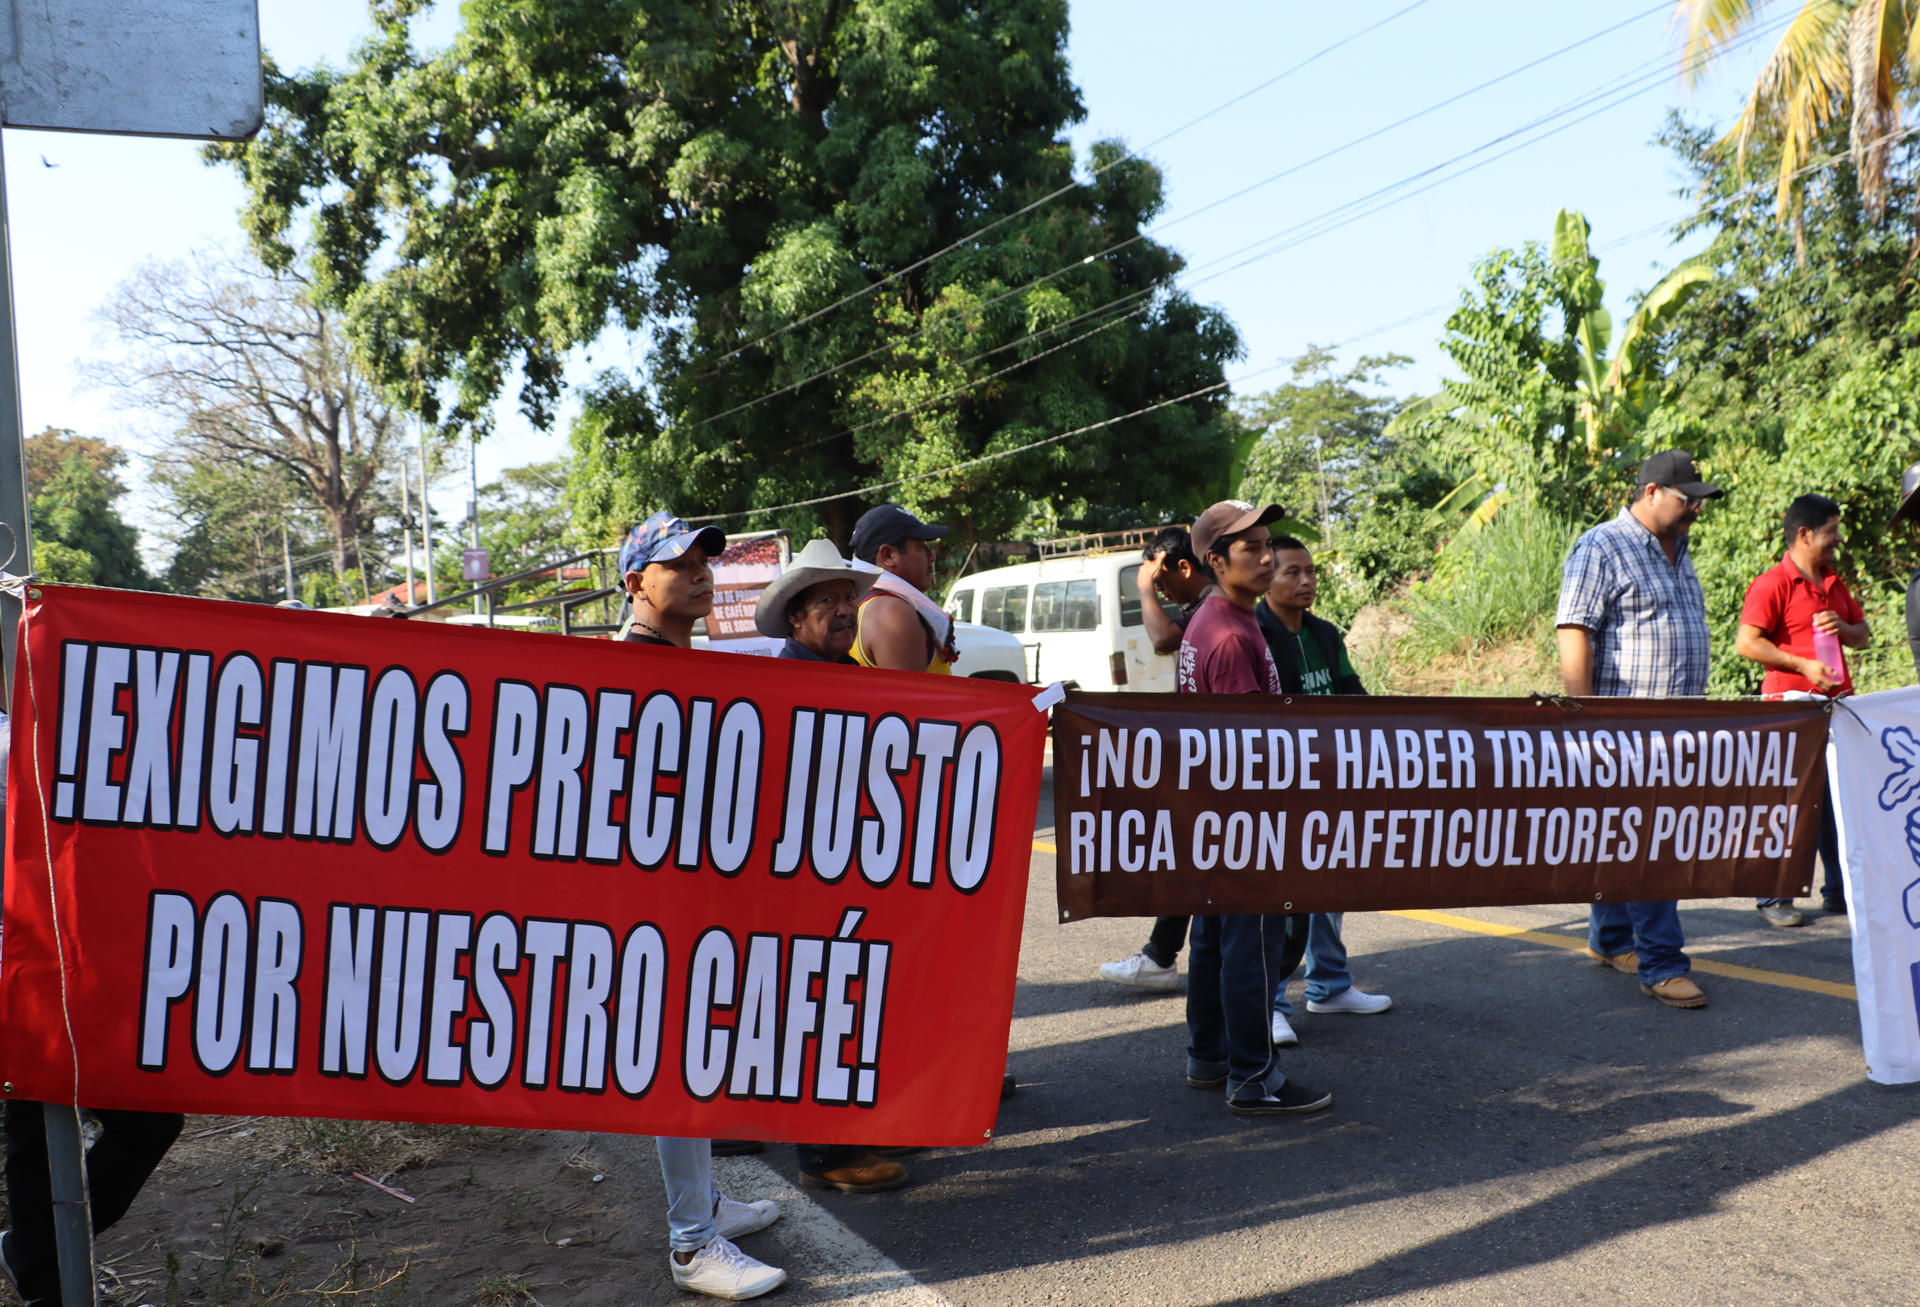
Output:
(812, 607)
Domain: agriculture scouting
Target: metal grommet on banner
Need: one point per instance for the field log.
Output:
(1286, 907)
(6, 1088)
(1599, 898)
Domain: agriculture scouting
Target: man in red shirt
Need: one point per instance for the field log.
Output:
(1232, 963)
(1787, 606)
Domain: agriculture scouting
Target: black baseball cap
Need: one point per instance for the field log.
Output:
(1909, 496)
(1675, 468)
(888, 524)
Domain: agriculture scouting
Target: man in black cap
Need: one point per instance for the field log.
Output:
(1633, 622)
(811, 608)
(1909, 511)
(899, 625)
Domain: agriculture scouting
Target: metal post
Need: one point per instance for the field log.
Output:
(286, 559)
(16, 539)
(426, 518)
(72, 1231)
(473, 514)
(65, 1160)
(406, 526)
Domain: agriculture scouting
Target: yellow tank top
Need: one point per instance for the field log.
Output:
(935, 663)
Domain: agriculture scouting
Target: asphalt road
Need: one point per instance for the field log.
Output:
(1522, 1127)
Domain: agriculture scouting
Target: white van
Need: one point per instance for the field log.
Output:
(1077, 610)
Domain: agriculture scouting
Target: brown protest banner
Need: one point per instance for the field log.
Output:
(1170, 803)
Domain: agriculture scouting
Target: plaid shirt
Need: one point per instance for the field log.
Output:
(1647, 615)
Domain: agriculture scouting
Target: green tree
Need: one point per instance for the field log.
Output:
(1541, 409)
(1322, 437)
(48, 451)
(1842, 67)
(233, 523)
(78, 536)
(1797, 371)
(717, 178)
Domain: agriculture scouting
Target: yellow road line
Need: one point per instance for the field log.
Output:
(1779, 979)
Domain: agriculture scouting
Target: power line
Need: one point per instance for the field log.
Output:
(993, 457)
(1815, 166)
(1649, 81)
(968, 239)
(965, 386)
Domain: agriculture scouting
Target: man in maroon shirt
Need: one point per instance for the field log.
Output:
(1786, 606)
(1232, 964)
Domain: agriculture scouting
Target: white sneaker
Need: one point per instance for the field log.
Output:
(731, 1219)
(722, 1271)
(1283, 1036)
(1141, 972)
(1352, 999)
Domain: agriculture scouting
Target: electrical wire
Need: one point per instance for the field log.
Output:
(1649, 83)
(993, 457)
(968, 239)
(1754, 188)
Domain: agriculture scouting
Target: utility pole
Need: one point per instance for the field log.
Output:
(426, 515)
(473, 507)
(406, 524)
(187, 68)
(286, 559)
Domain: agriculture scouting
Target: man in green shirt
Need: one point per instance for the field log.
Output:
(1312, 658)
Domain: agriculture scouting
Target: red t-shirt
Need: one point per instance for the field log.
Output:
(1781, 603)
(1223, 652)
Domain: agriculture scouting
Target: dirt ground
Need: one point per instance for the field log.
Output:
(260, 1210)
(1518, 668)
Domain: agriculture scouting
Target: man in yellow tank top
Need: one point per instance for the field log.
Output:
(898, 624)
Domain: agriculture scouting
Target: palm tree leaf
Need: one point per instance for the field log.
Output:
(1806, 79)
(1875, 42)
(1707, 25)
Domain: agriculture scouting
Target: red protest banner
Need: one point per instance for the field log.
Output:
(302, 864)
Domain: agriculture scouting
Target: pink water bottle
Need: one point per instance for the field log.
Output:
(1826, 648)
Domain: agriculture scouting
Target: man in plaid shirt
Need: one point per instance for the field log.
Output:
(1633, 622)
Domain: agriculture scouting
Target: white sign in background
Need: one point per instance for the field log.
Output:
(1873, 756)
(145, 67)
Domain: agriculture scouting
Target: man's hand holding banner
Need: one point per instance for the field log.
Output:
(265, 861)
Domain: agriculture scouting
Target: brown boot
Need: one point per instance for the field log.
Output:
(1627, 963)
(1677, 991)
(865, 1174)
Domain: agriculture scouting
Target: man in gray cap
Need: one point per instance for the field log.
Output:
(1909, 511)
(811, 607)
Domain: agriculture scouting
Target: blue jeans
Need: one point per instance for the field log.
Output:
(1327, 972)
(1232, 968)
(1829, 854)
(687, 1167)
(1651, 930)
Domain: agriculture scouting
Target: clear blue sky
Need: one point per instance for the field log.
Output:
(108, 203)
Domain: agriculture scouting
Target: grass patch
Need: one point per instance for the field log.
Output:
(1493, 587)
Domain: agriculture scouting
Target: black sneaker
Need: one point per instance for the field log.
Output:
(1782, 914)
(1290, 1099)
(1207, 1082)
(1834, 905)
